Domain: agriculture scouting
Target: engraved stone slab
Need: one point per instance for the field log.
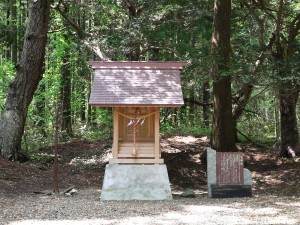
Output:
(230, 168)
(226, 175)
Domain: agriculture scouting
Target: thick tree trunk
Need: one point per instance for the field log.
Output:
(289, 129)
(29, 73)
(223, 127)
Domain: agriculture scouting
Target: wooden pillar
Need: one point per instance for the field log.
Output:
(116, 135)
(156, 136)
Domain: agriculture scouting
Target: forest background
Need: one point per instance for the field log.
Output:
(264, 66)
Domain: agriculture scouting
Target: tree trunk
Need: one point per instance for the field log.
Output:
(192, 107)
(29, 73)
(206, 106)
(7, 51)
(83, 106)
(83, 99)
(13, 32)
(240, 103)
(277, 120)
(66, 123)
(223, 127)
(289, 130)
(40, 109)
(90, 110)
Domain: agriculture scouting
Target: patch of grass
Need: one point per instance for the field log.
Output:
(82, 163)
(184, 130)
(42, 157)
(263, 142)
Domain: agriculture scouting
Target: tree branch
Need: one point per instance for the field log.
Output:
(294, 29)
(243, 99)
(197, 102)
(58, 30)
(244, 135)
(96, 49)
(82, 34)
(278, 26)
(243, 96)
(260, 23)
(160, 48)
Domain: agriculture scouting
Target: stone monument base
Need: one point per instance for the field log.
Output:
(136, 182)
(231, 191)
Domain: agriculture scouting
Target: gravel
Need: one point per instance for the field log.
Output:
(85, 208)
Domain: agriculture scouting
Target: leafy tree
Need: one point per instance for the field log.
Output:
(281, 23)
(29, 73)
(178, 30)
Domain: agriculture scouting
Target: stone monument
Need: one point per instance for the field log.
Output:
(226, 175)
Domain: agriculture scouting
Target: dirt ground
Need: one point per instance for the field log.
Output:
(25, 188)
(82, 164)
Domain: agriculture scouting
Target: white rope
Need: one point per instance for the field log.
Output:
(138, 117)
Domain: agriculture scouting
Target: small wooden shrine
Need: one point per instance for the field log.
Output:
(136, 91)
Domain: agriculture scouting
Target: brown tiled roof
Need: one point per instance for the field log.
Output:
(136, 84)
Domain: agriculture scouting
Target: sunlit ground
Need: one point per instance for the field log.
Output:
(187, 139)
(235, 213)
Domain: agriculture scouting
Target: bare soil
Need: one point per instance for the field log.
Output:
(276, 188)
(82, 164)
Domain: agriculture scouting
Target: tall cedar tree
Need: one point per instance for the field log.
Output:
(29, 73)
(288, 91)
(223, 127)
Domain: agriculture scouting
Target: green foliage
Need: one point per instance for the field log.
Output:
(185, 129)
(170, 30)
(7, 71)
(259, 119)
(42, 157)
(181, 123)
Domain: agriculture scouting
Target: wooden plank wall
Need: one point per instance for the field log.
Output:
(147, 137)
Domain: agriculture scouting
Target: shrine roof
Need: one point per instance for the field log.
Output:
(155, 84)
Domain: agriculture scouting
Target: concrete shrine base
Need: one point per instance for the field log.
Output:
(136, 182)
